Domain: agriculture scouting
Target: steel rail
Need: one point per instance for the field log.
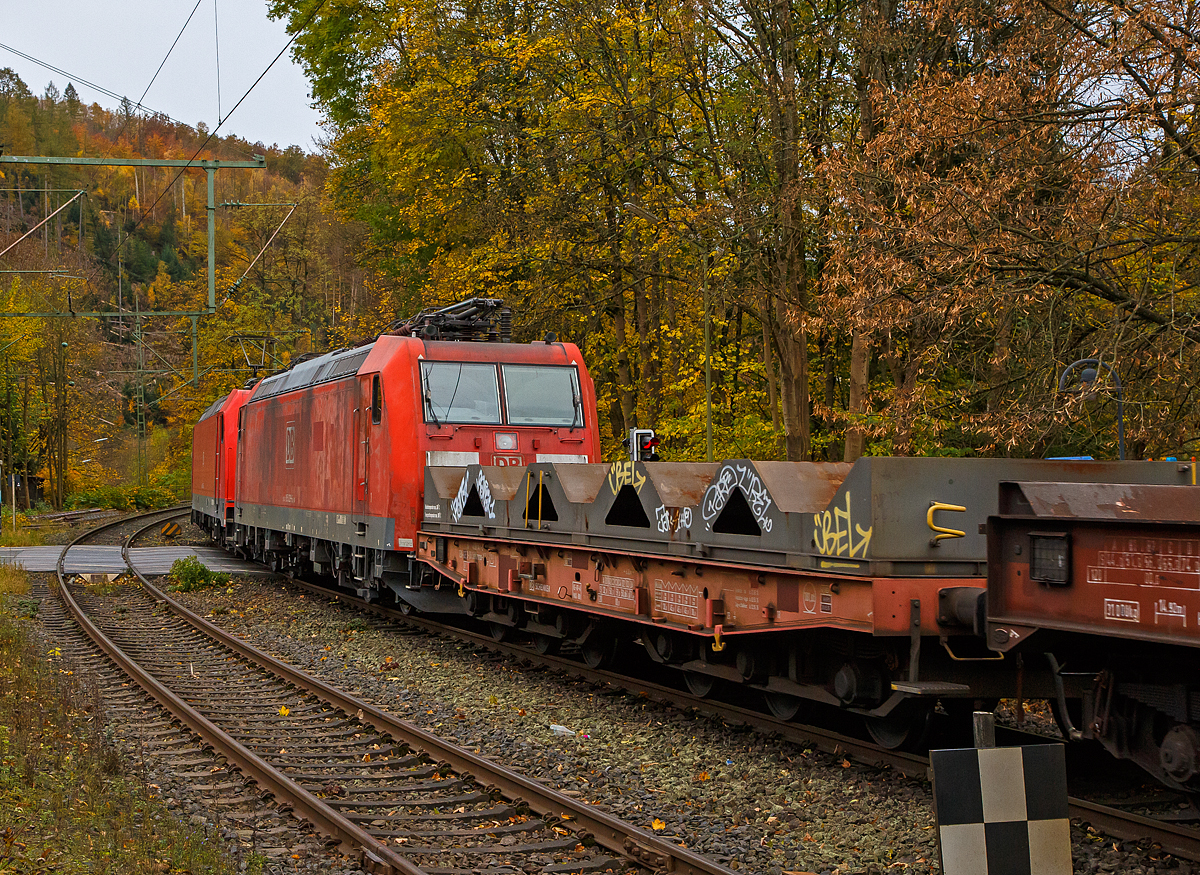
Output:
(376, 856)
(1119, 824)
(1174, 839)
(609, 832)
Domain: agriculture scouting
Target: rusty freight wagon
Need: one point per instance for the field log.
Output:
(1101, 581)
(859, 587)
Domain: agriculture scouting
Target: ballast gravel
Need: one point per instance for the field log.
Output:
(755, 803)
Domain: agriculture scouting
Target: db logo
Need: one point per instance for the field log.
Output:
(507, 461)
(810, 599)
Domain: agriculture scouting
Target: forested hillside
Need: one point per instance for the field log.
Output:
(136, 241)
(915, 214)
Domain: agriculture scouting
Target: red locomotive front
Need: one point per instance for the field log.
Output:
(214, 463)
(332, 453)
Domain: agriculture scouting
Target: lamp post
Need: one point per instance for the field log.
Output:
(1087, 377)
(643, 213)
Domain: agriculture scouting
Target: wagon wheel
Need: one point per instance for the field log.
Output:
(499, 631)
(906, 728)
(783, 706)
(598, 652)
(546, 644)
(699, 685)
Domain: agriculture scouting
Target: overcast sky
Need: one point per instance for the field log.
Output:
(119, 45)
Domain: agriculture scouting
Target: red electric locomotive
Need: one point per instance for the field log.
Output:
(332, 452)
(214, 464)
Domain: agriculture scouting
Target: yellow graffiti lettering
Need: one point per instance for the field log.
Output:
(625, 474)
(835, 533)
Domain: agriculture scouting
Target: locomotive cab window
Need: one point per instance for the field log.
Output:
(460, 392)
(543, 395)
(376, 400)
(1050, 558)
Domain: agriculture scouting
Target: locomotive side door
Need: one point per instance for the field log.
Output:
(218, 479)
(362, 446)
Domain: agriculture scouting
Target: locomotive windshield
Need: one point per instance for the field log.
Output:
(460, 392)
(540, 395)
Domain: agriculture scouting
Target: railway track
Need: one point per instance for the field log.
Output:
(399, 798)
(167, 754)
(1175, 838)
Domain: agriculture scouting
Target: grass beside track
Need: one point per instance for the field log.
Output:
(65, 803)
(23, 537)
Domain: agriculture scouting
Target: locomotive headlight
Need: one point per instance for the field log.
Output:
(506, 441)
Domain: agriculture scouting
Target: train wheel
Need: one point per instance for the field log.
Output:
(499, 631)
(597, 653)
(783, 706)
(906, 728)
(699, 685)
(515, 612)
(406, 608)
(544, 644)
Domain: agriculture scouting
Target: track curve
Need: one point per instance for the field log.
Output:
(340, 763)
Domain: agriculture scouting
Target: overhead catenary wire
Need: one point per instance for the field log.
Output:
(217, 53)
(220, 122)
(92, 85)
(39, 224)
(238, 281)
(178, 36)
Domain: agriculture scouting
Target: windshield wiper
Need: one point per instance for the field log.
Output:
(578, 403)
(432, 412)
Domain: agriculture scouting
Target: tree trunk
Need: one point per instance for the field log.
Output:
(860, 362)
(793, 364)
(623, 368)
(769, 364)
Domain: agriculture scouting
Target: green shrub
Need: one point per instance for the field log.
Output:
(100, 496)
(189, 573)
(151, 497)
(122, 497)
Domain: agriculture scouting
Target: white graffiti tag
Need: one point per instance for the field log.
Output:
(744, 478)
(464, 492)
(663, 516)
(669, 519)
